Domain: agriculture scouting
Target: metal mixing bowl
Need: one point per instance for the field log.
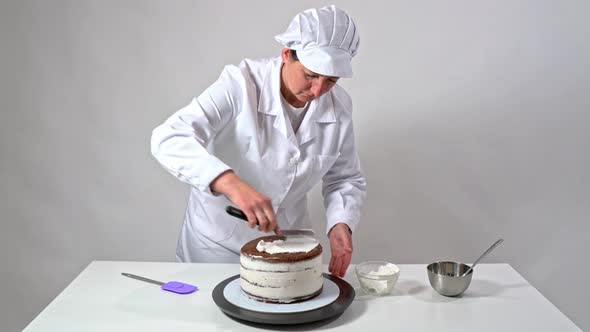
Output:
(446, 279)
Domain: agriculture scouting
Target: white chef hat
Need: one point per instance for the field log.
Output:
(325, 40)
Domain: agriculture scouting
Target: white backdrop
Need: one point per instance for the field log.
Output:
(472, 123)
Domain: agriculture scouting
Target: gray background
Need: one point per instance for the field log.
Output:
(471, 121)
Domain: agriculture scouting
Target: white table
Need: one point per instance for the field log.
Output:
(100, 299)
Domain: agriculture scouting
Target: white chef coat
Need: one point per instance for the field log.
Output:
(238, 123)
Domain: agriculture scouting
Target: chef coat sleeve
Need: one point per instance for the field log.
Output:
(344, 185)
(180, 143)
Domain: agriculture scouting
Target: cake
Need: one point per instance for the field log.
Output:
(278, 269)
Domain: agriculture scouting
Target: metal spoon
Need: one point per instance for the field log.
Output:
(483, 255)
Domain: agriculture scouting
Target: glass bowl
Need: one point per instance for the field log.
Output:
(377, 277)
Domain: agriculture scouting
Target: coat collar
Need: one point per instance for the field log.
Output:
(320, 110)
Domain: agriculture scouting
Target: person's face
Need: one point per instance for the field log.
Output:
(302, 85)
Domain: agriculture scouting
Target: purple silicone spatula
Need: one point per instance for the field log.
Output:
(171, 286)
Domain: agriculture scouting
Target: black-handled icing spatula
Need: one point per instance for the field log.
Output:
(233, 211)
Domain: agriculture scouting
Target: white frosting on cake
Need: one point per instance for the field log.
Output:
(281, 282)
(291, 244)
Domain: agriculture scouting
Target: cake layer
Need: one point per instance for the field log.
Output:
(260, 264)
(284, 294)
(280, 280)
(293, 300)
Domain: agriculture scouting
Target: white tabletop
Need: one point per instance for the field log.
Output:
(100, 299)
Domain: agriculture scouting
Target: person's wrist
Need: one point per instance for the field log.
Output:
(340, 225)
(223, 182)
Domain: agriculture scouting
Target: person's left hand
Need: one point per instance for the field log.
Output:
(341, 249)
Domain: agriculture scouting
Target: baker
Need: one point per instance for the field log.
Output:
(260, 138)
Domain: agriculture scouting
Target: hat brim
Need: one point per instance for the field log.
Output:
(327, 61)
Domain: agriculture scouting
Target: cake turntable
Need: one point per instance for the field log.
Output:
(336, 296)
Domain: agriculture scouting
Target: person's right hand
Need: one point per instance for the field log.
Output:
(256, 206)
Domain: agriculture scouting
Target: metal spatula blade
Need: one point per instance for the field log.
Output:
(233, 211)
(302, 231)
